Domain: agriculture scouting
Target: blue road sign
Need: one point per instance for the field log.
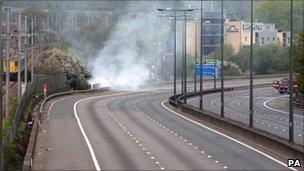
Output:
(209, 70)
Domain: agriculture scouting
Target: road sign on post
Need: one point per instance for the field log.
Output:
(209, 69)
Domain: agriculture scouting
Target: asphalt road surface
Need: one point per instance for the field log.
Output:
(136, 131)
(271, 110)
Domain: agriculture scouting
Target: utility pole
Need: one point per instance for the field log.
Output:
(35, 30)
(25, 52)
(32, 50)
(8, 59)
(19, 57)
(60, 21)
(1, 78)
(73, 26)
(48, 36)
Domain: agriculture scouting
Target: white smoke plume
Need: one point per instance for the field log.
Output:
(119, 64)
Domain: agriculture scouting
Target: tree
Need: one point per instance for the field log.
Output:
(279, 12)
(268, 59)
(242, 59)
(299, 61)
(237, 9)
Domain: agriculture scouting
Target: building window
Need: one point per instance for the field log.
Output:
(273, 39)
(268, 39)
(246, 39)
(278, 39)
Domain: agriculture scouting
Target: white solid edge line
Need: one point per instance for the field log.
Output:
(85, 136)
(226, 136)
(82, 130)
(52, 104)
(265, 105)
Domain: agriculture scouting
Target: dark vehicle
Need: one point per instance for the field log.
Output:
(283, 85)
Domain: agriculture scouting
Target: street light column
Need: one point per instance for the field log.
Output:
(195, 53)
(201, 60)
(222, 59)
(185, 58)
(291, 129)
(174, 27)
(251, 68)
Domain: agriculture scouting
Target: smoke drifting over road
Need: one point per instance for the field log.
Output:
(116, 65)
(120, 64)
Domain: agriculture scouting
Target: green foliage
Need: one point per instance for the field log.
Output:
(190, 66)
(228, 51)
(7, 124)
(64, 47)
(92, 37)
(299, 61)
(237, 9)
(242, 59)
(271, 59)
(13, 157)
(279, 12)
(268, 59)
(15, 151)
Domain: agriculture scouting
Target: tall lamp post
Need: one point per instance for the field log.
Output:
(222, 59)
(251, 67)
(184, 68)
(201, 60)
(291, 76)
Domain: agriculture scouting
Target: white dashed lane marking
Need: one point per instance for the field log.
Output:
(134, 139)
(170, 131)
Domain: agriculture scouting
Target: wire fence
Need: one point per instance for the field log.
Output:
(55, 84)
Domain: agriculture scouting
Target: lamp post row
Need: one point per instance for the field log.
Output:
(184, 64)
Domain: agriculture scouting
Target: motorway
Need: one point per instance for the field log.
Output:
(270, 112)
(136, 131)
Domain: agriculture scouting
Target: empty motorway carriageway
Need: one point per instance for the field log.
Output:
(140, 130)
(152, 85)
